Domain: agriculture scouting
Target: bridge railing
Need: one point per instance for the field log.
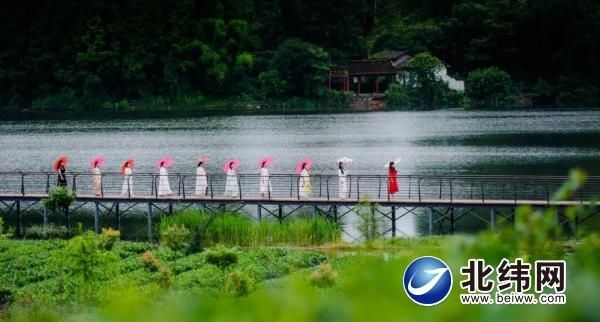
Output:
(327, 187)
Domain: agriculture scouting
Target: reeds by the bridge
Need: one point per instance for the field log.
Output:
(230, 228)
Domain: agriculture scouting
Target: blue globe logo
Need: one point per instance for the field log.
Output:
(427, 280)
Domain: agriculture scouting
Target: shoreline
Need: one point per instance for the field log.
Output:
(187, 113)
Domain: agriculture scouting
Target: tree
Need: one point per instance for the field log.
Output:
(422, 74)
(489, 87)
(271, 85)
(175, 237)
(303, 66)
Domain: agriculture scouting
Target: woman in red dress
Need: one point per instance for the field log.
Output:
(392, 180)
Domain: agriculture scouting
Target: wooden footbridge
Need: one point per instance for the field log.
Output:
(439, 202)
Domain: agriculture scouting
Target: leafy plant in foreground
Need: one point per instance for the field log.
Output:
(222, 257)
(238, 284)
(324, 276)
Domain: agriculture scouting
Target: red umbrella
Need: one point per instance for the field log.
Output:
(165, 162)
(131, 164)
(307, 163)
(231, 164)
(97, 162)
(61, 160)
(265, 162)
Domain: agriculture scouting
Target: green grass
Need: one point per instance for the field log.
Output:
(239, 230)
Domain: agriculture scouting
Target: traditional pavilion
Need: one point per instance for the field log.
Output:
(372, 74)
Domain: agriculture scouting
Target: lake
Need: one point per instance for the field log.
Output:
(548, 142)
(432, 142)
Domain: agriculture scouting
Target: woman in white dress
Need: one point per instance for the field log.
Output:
(164, 188)
(201, 180)
(265, 181)
(305, 187)
(96, 180)
(231, 184)
(127, 189)
(343, 189)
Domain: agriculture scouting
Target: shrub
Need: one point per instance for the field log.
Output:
(175, 237)
(397, 97)
(51, 231)
(222, 257)
(163, 275)
(60, 197)
(108, 237)
(6, 296)
(150, 262)
(3, 235)
(65, 100)
(324, 276)
(271, 85)
(238, 284)
(84, 257)
(189, 101)
(122, 105)
(337, 100)
(489, 87)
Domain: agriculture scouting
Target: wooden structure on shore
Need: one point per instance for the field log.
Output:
(380, 71)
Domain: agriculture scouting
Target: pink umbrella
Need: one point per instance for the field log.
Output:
(165, 162)
(265, 162)
(307, 163)
(97, 162)
(231, 164)
(204, 159)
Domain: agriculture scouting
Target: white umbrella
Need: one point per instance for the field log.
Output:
(387, 165)
(345, 160)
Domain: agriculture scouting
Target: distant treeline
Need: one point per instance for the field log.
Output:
(109, 54)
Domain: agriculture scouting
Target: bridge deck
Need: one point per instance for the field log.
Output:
(307, 201)
(417, 190)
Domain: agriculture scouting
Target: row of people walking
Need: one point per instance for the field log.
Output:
(231, 183)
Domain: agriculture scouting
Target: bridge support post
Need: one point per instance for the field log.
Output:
(96, 219)
(149, 222)
(170, 208)
(67, 219)
(335, 214)
(430, 221)
(493, 219)
(452, 221)
(393, 221)
(259, 212)
(315, 212)
(45, 220)
(280, 213)
(18, 212)
(118, 215)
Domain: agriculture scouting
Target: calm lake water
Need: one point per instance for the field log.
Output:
(435, 142)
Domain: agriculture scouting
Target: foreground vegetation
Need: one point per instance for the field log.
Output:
(86, 279)
(222, 268)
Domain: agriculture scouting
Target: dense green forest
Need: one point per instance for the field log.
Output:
(155, 53)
